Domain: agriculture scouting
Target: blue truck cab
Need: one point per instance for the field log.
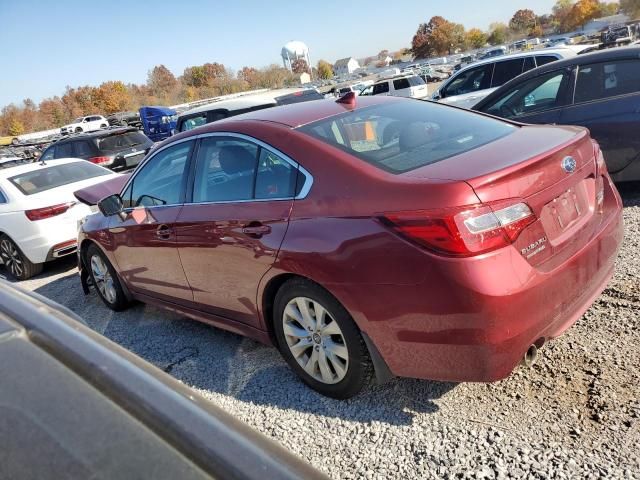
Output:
(158, 123)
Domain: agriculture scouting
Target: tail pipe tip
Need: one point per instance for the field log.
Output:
(530, 356)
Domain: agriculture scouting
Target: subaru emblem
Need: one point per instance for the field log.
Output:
(568, 164)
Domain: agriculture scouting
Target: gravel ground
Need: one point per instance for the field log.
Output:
(575, 414)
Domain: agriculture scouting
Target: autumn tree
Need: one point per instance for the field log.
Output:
(299, 66)
(499, 34)
(247, 74)
(631, 8)
(161, 81)
(111, 97)
(382, 54)
(476, 38)
(16, 127)
(325, 69)
(582, 12)
(522, 21)
(438, 37)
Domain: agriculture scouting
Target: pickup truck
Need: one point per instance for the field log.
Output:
(89, 123)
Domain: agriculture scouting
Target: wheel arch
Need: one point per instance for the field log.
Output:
(82, 248)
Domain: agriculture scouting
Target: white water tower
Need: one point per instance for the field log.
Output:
(293, 51)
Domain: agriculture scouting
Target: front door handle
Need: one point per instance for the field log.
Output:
(256, 229)
(163, 232)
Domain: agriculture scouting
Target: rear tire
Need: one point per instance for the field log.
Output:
(103, 125)
(320, 341)
(105, 279)
(16, 262)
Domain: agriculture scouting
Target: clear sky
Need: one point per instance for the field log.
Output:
(47, 44)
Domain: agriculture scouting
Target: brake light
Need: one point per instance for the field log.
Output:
(465, 231)
(48, 212)
(98, 160)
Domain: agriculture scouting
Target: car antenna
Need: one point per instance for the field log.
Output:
(348, 99)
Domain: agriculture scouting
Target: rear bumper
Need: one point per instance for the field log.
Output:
(474, 320)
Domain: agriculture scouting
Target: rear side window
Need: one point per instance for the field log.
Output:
(470, 81)
(193, 122)
(83, 149)
(47, 178)
(401, 83)
(544, 59)
(415, 81)
(64, 150)
(121, 141)
(3, 198)
(407, 135)
(505, 71)
(48, 153)
(380, 88)
(276, 178)
(529, 64)
(608, 79)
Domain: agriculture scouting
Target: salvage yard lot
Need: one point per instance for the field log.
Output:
(576, 414)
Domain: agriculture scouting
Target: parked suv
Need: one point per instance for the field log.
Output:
(473, 83)
(85, 124)
(411, 86)
(117, 149)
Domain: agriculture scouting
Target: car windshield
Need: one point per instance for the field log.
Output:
(78, 120)
(44, 179)
(120, 141)
(403, 136)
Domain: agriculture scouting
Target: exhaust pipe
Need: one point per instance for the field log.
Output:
(531, 356)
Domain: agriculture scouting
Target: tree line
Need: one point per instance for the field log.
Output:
(442, 37)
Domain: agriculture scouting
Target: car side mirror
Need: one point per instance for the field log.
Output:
(111, 205)
(436, 96)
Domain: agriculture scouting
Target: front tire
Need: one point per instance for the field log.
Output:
(16, 262)
(320, 341)
(78, 130)
(105, 279)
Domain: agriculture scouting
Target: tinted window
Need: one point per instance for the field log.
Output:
(609, 79)
(47, 178)
(534, 95)
(3, 199)
(83, 149)
(225, 170)
(401, 83)
(529, 64)
(161, 179)
(505, 71)
(415, 81)
(478, 78)
(276, 178)
(48, 153)
(121, 141)
(544, 59)
(380, 88)
(64, 150)
(193, 122)
(407, 135)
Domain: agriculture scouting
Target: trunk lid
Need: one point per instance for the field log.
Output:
(552, 169)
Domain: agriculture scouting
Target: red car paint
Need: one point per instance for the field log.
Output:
(433, 316)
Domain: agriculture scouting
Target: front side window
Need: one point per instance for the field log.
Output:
(161, 179)
(48, 154)
(404, 136)
(534, 95)
(505, 71)
(193, 122)
(64, 150)
(470, 81)
(607, 79)
(380, 88)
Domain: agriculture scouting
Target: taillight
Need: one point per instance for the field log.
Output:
(99, 160)
(48, 212)
(465, 231)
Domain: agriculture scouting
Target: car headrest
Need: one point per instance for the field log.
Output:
(236, 159)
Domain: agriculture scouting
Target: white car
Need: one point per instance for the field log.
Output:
(89, 123)
(474, 82)
(411, 86)
(39, 214)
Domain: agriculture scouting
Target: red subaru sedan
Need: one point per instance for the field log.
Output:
(366, 237)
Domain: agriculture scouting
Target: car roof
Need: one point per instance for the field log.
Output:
(7, 172)
(395, 77)
(245, 101)
(294, 115)
(95, 134)
(632, 52)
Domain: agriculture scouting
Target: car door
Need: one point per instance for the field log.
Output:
(144, 237)
(535, 100)
(230, 233)
(606, 100)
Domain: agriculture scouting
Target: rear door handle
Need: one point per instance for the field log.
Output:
(163, 232)
(256, 230)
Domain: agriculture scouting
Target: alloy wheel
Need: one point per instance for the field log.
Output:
(103, 279)
(11, 258)
(315, 340)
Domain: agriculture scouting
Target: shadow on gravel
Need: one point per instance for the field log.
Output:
(215, 362)
(630, 193)
(50, 269)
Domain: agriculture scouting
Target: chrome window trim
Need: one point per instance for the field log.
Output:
(306, 187)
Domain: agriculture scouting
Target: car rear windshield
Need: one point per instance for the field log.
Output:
(405, 135)
(46, 178)
(121, 141)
